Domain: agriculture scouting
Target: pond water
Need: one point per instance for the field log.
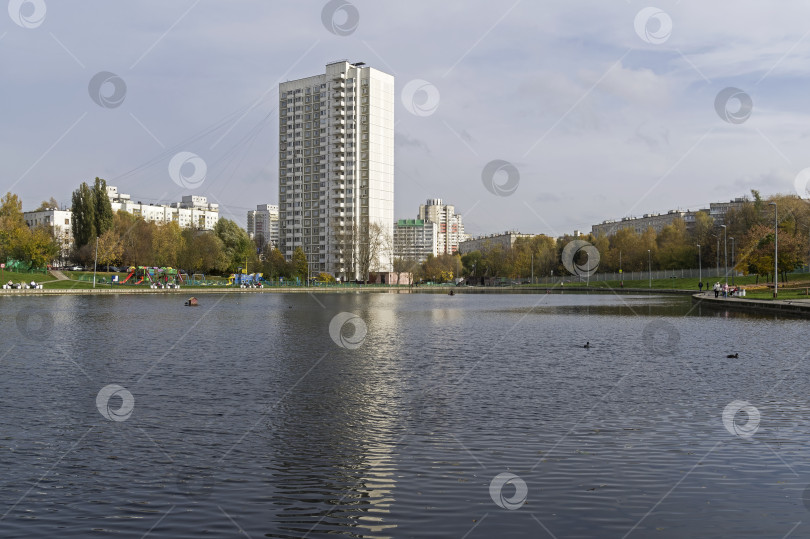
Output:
(400, 415)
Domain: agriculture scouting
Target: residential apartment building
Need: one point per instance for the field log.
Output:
(59, 221)
(262, 224)
(485, 243)
(415, 239)
(336, 167)
(450, 224)
(657, 221)
(191, 212)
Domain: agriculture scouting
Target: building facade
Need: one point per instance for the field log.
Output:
(450, 224)
(59, 221)
(336, 168)
(262, 224)
(415, 239)
(657, 221)
(485, 243)
(191, 212)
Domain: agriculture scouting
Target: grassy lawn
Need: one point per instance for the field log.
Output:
(672, 284)
(25, 277)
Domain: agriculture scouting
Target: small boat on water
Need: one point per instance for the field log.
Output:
(191, 302)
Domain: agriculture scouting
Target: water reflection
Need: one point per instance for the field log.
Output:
(248, 415)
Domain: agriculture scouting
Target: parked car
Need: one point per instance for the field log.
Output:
(76, 268)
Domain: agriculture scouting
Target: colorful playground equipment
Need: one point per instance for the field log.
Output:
(155, 277)
(244, 280)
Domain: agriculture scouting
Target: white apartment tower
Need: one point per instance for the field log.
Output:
(451, 226)
(262, 224)
(336, 169)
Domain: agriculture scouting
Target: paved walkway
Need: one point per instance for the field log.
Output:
(799, 307)
(59, 275)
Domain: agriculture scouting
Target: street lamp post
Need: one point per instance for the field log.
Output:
(700, 266)
(732, 262)
(725, 250)
(649, 266)
(775, 249)
(95, 264)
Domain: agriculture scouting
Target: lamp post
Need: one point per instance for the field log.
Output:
(532, 267)
(775, 249)
(649, 266)
(700, 266)
(621, 274)
(732, 262)
(95, 264)
(725, 250)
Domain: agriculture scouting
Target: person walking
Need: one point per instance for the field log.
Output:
(716, 289)
(700, 286)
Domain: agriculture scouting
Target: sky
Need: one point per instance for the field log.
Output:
(542, 117)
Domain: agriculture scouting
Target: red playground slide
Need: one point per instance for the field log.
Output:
(128, 277)
(139, 282)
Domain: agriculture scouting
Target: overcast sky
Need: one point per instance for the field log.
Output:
(595, 110)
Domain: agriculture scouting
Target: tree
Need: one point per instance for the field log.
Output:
(92, 212)
(48, 205)
(11, 220)
(238, 245)
(84, 215)
(275, 266)
(299, 263)
(374, 244)
(103, 207)
(135, 236)
(109, 248)
(167, 243)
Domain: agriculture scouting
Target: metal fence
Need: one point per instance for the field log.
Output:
(705, 273)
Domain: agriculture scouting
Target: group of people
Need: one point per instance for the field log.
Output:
(10, 285)
(719, 289)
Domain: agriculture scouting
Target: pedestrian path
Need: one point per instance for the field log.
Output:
(59, 275)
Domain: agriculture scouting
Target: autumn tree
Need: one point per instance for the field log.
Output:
(109, 248)
(299, 264)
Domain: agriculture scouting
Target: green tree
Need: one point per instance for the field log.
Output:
(275, 266)
(299, 263)
(84, 215)
(103, 208)
(11, 220)
(238, 246)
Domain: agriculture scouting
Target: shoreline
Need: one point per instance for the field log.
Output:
(335, 290)
(792, 307)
